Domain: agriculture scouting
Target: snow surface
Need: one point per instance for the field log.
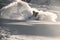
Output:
(25, 37)
(10, 12)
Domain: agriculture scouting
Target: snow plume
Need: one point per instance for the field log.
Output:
(44, 15)
(47, 16)
(20, 10)
(34, 9)
(16, 10)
